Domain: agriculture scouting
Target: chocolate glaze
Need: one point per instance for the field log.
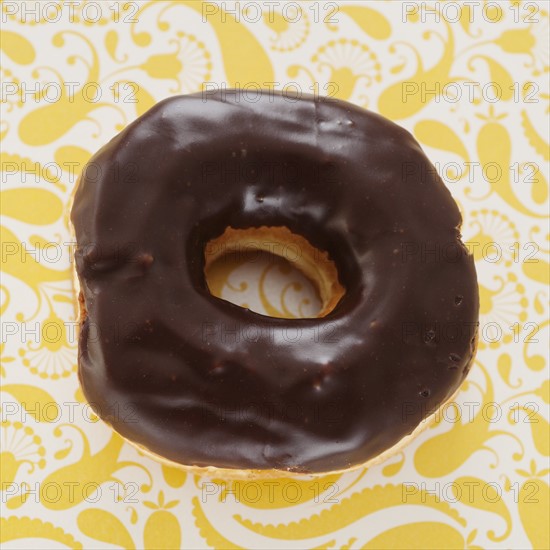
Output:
(204, 382)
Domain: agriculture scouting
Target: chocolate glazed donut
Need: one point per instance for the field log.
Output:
(201, 382)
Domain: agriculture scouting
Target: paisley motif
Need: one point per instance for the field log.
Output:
(477, 482)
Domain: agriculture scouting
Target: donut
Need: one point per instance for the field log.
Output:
(201, 383)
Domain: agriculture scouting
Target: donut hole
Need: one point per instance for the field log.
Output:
(272, 271)
(265, 283)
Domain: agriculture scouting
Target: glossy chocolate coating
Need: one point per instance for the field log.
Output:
(204, 382)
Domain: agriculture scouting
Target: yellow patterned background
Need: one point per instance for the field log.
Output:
(470, 81)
